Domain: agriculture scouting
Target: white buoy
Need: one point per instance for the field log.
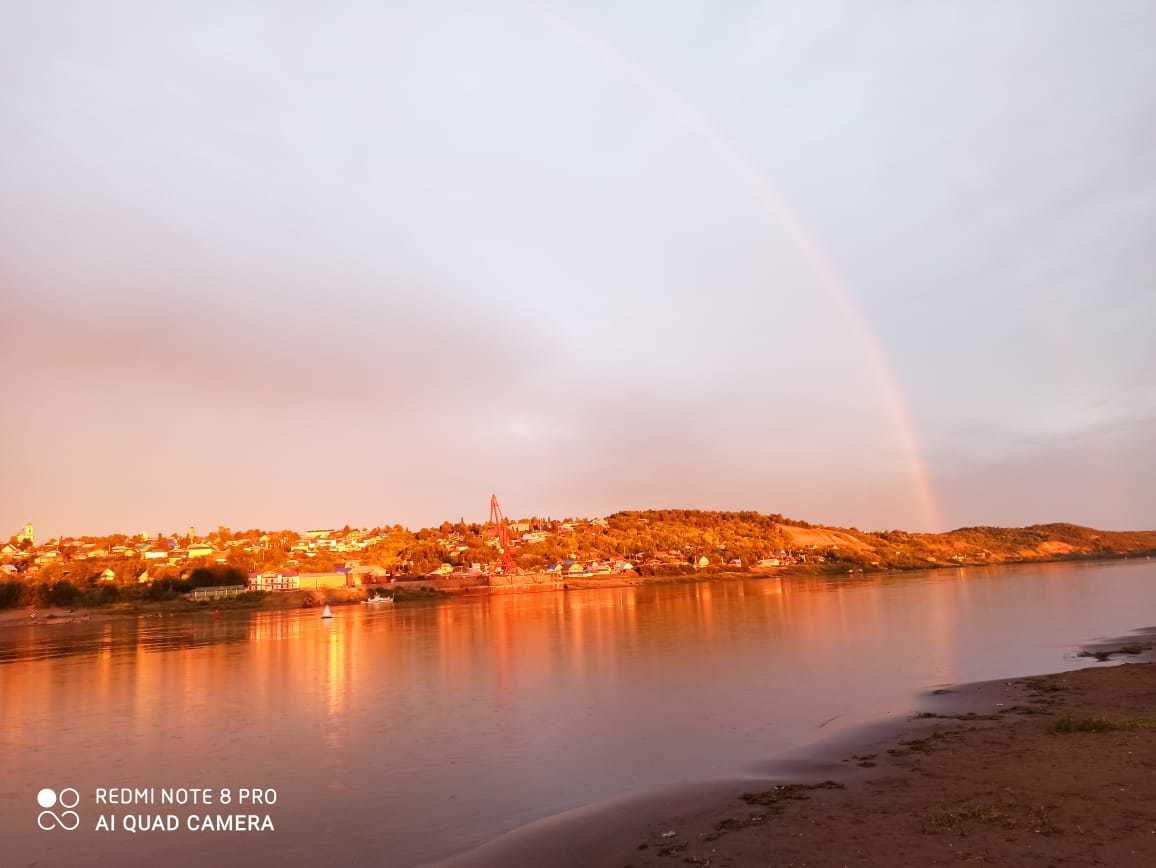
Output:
(327, 613)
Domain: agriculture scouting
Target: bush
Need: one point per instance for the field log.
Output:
(101, 595)
(61, 593)
(217, 575)
(165, 589)
(10, 593)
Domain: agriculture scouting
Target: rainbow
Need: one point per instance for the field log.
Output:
(749, 176)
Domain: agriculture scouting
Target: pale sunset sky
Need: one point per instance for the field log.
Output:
(295, 264)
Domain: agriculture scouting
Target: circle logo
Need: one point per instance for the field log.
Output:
(67, 819)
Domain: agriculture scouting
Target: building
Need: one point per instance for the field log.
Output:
(274, 580)
(369, 575)
(108, 576)
(339, 578)
(27, 535)
(199, 550)
(291, 580)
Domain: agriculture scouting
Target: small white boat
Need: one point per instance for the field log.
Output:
(328, 613)
(373, 600)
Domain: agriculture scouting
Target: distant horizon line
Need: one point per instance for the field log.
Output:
(786, 519)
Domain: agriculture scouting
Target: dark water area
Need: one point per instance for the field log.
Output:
(404, 734)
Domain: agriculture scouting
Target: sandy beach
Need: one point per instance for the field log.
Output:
(1048, 770)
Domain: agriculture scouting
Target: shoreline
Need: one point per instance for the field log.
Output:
(978, 772)
(429, 591)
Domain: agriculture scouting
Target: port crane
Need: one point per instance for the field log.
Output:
(501, 532)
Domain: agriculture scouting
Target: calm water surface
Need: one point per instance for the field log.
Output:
(399, 736)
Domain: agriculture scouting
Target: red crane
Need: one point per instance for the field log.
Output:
(502, 535)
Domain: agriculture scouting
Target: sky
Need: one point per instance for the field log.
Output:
(296, 265)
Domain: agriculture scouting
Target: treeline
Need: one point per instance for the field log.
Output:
(65, 593)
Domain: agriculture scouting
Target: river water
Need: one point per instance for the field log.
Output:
(402, 735)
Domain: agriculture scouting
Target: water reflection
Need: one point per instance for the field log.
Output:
(414, 730)
(40, 641)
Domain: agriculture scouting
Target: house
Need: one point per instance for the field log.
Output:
(108, 576)
(9, 549)
(443, 570)
(274, 580)
(519, 526)
(704, 561)
(144, 577)
(199, 550)
(369, 575)
(154, 554)
(8, 568)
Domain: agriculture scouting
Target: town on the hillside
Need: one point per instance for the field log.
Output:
(504, 553)
(452, 555)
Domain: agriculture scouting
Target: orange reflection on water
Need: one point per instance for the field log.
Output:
(416, 729)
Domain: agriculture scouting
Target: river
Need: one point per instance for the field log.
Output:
(400, 735)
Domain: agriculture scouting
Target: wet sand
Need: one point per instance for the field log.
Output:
(1050, 770)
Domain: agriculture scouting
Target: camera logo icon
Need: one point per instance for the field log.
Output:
(66, 819)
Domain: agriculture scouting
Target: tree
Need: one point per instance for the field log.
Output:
(217, 575)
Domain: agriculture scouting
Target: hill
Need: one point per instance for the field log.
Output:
(752, 537)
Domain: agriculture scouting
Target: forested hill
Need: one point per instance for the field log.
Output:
(652, 542)
(752, 536)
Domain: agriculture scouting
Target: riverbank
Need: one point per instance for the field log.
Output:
(1048, 770)
(434, 589)
(254, 601)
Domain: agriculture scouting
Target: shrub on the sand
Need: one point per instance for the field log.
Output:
(1103, 724)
